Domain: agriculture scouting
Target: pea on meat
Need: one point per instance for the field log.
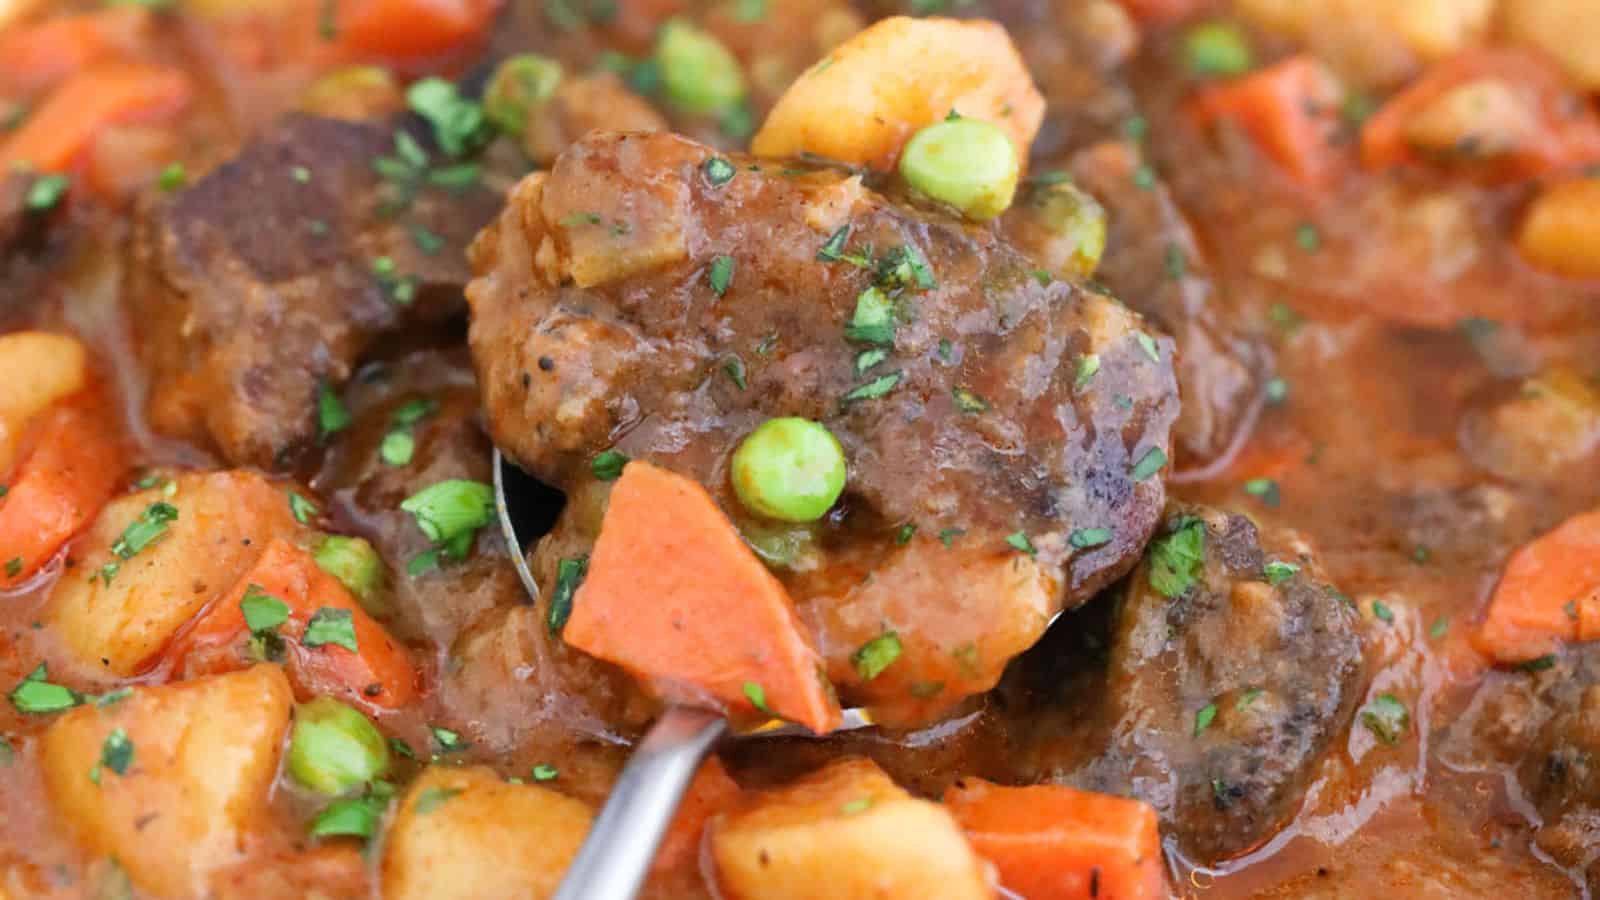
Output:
(790, 469)
(966, 163)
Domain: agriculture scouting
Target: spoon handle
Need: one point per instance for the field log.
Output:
(622, 843)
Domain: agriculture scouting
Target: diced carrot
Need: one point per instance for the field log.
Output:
(1548, 594)
(61, 129)
(34, 57)
(675, 596)
(1290, 110)
(711, 792)
(1051, 842)
(57, 490)
(410, 28)
(378, 673)
(1163, 12)
(1567, 131)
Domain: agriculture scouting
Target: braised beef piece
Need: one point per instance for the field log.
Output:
(649, 296)
(1231, 665)
(275, 271)
(501, 657)
(1542, 720)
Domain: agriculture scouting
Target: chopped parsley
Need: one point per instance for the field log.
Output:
(833, 250)
(873, 389)
(1088, 367)
(967, 401)
(718, 171)
(150, 527)
(1203, 718)
(757, 695)
(331, 625)
(459, 125)
(432, 798)
(351, 817)
(1285, 318)
(866, 359)
(37, 695)
(1177, 263)
(1538, 665)
(545, 772)
(116, 754)
(46, 191)
(1150, 463)
(607, 464)
(871, 658)
(1277, 391)
(1020, 542)
(947, 536)
(398, 448)
(448, 741)
(332, 416)
(873, 320)
(1382, 611)
(263, 612)
(1087, 538)
(1144, 177)
(1386, 717)
(853, 807)
(1176, 558)
(570, 573)
(1277, 572)
(173, 177)
(300, 174)
(1308, 237)
(1247, 698)
(1264, 489)
(905, 533)
(425, 240)
(13, 567)
(450, 513)
(734, 367)
(401, 748)
(302, 509)
(1440, 627)
(1148, 345)
(904, 268)
(720, 274)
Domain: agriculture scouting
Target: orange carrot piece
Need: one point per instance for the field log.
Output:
(674, 596)
(1051, 842)
(378, 674)
(711, 792)
(1569, 130)
(34, 57)
(1548, 594)
(1162, 12)
(57, 490)
(410, 28)
(58, 132)
(1290, 110)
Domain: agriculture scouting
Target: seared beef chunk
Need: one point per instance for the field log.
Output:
(1005, 432)
(498, 659)
(1543, 721)
(1232, 666)
(275, 271)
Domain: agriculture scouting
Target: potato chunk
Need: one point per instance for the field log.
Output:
(200, 759)
(1561, 230)
(1568, 30)
(121, 617)
(37, 369)
(1374, 40)
(467, 833)
(868, 97)
(845, 832)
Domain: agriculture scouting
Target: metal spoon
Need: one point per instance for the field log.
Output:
(616, 856)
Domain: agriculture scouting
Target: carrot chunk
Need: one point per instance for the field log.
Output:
(1290, 110)
(34, 57)
(1051, 842)
(409, 28)
(57, 490)
(377, 672)
(1547, 129)
(674, 596)
(1548, 594)
(62, 128)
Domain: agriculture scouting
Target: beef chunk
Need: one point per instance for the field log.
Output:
(1221, 689)
(267, 277)
(640, 298)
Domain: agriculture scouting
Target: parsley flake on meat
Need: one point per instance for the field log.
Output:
(1175, 559)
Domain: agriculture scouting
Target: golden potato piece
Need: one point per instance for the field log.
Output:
(1561, 230)
(863, 101)
(1374, 41)
(37, 369)
(467, 833)
(1568, 30)
(120, 618)
(845, 832)
(199, 761)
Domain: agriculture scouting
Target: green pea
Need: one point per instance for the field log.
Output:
(1076, 223)
(966, 163)
(334, 747)
(1217, 49)
(357, 566)
(518, 86)
(698, 73)
(789, 469)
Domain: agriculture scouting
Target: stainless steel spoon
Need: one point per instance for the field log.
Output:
(616, 855)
